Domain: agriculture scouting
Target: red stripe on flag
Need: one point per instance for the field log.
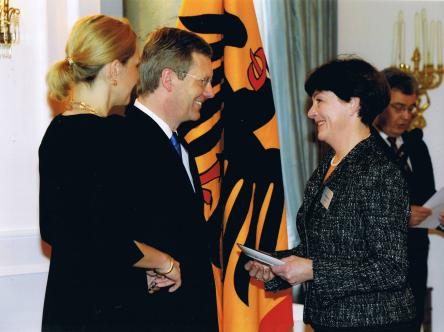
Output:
(279, 318)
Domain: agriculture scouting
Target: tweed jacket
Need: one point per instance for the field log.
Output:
(357, 241)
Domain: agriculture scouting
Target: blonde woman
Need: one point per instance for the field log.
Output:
(97, 278)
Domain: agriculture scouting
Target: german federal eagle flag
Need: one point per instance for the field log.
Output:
(236, 141)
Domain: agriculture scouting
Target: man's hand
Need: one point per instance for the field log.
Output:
(441, 221)
(151, 281)
(419, 213)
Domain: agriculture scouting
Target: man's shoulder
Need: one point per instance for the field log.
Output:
(415, 144)
(412, 136)
(136, 120)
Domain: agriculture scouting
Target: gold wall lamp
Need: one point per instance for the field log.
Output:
(9, 28)
(427, 58)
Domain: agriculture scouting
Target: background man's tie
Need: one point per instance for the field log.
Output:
(175, 141)
(401, 156)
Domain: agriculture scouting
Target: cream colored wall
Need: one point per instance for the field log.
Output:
(146, 16)
(365, 28)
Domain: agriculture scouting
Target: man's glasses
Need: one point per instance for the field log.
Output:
(203, 81)
(398, 107)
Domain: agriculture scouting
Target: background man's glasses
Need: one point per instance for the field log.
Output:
(398, 107)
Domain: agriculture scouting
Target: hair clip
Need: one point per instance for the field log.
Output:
(70, 60)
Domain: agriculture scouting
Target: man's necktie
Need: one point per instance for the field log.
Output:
(392, 141)
(400, 155)
(175, 141)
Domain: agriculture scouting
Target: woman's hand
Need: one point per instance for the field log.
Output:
(295, 270)
(259, 271)
(157, 280)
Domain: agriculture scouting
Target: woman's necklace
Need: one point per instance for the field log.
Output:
(332, 163)
(82, 107)
(331, 169)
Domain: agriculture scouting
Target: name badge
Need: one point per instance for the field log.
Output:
(327, 195)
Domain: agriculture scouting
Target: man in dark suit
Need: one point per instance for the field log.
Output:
(409, 151)
(175, 79)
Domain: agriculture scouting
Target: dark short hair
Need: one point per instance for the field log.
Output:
(168, 48)
(352, 77)
(400, 80)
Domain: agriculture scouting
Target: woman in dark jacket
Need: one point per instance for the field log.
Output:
(353, 219)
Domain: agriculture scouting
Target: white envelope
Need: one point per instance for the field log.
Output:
(436, 203)
(260, 256)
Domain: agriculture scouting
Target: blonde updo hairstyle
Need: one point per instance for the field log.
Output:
(93, 42)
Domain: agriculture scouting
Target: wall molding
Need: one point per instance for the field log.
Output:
(22, 252)
(24, 232)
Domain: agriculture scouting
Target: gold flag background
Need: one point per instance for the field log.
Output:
(237, 144)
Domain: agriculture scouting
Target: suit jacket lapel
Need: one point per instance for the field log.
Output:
(138, 117)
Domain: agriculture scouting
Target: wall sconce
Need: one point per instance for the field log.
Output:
(9, 28)
(428, 73)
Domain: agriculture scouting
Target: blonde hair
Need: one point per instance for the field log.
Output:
(93, 42)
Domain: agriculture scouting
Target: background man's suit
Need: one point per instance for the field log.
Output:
(169, 216)
(421, 186)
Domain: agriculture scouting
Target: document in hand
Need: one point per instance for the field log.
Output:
(260, 256)
(436, 203)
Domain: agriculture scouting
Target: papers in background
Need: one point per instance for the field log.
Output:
(436, 203)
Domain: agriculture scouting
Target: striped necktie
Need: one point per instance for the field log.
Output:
(400, 155)
(392, 141)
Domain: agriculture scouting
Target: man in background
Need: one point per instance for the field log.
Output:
(409, 151)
